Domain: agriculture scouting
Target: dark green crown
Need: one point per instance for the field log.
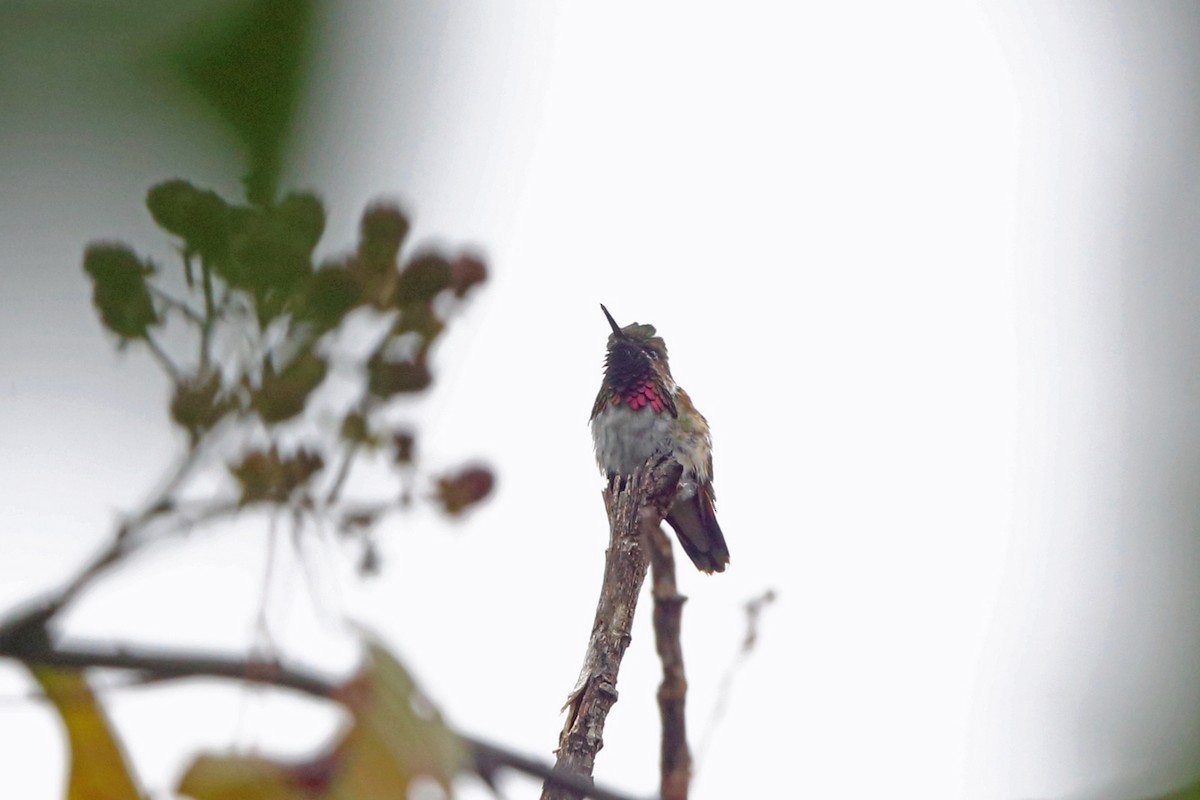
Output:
(643, 335)
(643, 332)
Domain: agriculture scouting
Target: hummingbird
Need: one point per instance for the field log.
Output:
(641, 412)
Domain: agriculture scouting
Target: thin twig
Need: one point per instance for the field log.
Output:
(351, 451)
(162, 358)
(164, 499)
(675, 762)
(170, 301)
(754, 609)
(31, 620)
(210, 310)
(210, 314)
(632, 510)
(343, 472)
(262, 628)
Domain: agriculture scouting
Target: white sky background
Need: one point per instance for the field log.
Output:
(885, 247)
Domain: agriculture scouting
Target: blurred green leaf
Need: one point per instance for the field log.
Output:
(1189, 792)
(249, 65)
(284, 395)
(419, 318)
(198, 404)
(198, 216)
(119, 289)
(329, 295)
(381, 233)
(422, 278)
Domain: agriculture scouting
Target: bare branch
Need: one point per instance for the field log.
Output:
(24, 622)
(166, 664)
(163, 359)
(154, 665)
(633, 509)
(675, 762)
(488, 757)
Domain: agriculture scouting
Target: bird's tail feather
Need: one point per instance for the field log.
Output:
(695, 522)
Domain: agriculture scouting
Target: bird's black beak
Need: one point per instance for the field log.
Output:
(616, 328)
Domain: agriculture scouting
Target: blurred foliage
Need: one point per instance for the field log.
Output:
(250, 332)
(250, 69)
(246, 64)
(249, 277)
(395, 737)
(119, 289)
(1188, 792)
(98, 768)
(268, 477)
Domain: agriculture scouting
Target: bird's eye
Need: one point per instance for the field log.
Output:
(652, 354)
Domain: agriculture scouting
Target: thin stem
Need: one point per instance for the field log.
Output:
(175, 303)
(754, 609)
(262, 628)
(363, 409)
(164, 499)
(163, 359)
(188, 277)
(33, 618)
(210, 315)
(343, 473)
(674, 760)
(172, 303)
(210, 310)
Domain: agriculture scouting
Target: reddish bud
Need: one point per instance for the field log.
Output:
(465, 272)
(458, 492)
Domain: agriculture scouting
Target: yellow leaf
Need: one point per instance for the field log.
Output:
(239, 778)
(395, 737)
(98, 767)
